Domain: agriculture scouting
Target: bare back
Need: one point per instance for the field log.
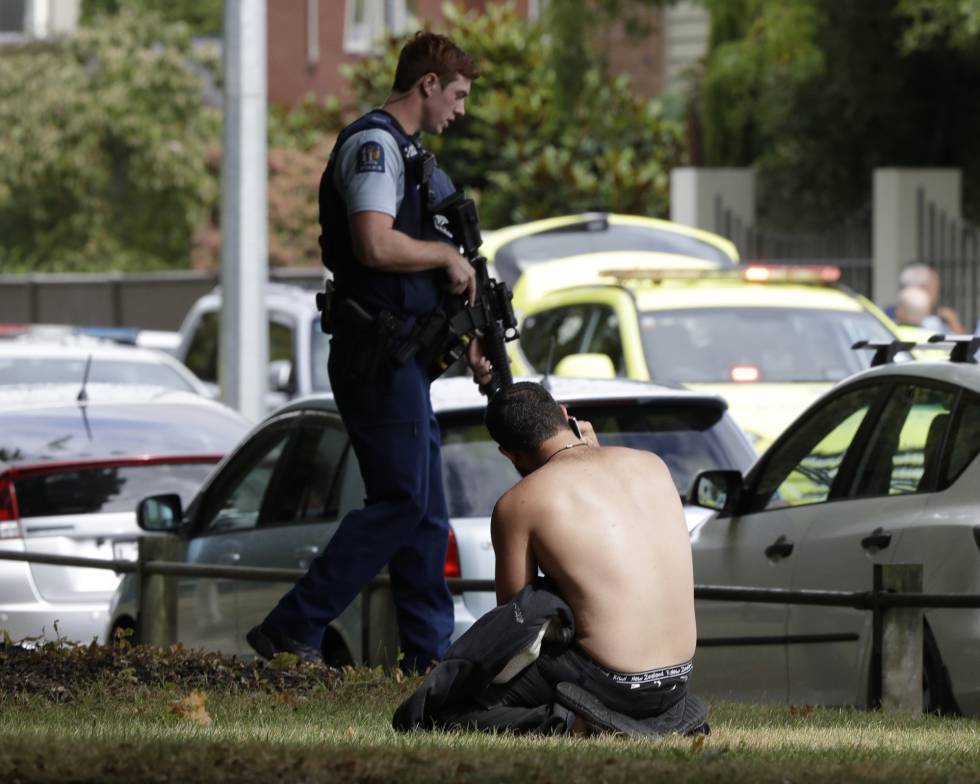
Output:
(607, 525)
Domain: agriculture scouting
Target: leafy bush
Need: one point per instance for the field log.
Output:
(516, 151)
(104, 153)
(815, 95)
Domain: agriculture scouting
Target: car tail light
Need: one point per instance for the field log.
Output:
(9, 516)
(452, 557)
(745, 373)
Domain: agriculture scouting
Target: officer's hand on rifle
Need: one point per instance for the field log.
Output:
(479, 364)
(462, 276)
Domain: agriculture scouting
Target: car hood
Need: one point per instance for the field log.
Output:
(764, 411)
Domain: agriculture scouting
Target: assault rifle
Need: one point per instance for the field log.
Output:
(443, 338)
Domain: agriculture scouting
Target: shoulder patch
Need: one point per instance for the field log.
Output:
(370, 158)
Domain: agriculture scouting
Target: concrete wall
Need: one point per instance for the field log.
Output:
(149, 301)
(694, 193)
(686, 28)
(895, 227)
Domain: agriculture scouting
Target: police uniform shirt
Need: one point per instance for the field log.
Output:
(370, 173)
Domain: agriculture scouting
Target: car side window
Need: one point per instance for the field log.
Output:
(964, 441)
(604, 337)
(202, 354)
(567, 327)
(280, 342)
(803, 469)
(906, 446)
(310, 488)
(236, 500)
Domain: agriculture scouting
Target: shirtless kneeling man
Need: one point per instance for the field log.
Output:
(606, 524)
(606, 527)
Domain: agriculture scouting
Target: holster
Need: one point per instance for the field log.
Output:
(324, 303)
(364, 344)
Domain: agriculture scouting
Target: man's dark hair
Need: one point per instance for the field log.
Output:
(432, 53)
(524, 415)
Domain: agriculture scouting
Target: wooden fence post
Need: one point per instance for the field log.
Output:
(899, 630)
(379, 627)
(157, 620)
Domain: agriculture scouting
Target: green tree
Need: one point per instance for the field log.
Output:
(203, 17)
(816, 94)
(940, 23)
(523, 152)
(104, 156)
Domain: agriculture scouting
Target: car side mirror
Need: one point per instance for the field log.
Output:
(160, 513)
(281, 377)
(586, 366)
(717, 489)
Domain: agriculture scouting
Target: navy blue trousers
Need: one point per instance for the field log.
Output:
(404, 522)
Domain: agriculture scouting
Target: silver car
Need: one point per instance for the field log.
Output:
(71, 473)
(279, 497)
(58, 356)
(883, 469)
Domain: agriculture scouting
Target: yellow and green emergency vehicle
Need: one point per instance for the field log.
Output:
(770, 339)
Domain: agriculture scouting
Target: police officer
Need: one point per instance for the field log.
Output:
(393, 263)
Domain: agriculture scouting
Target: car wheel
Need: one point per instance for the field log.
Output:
(334, 649)
(937, 689)
(124, 629)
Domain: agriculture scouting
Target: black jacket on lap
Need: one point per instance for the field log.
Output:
(501, 643)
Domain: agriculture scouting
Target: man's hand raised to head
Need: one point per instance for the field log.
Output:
(588, 432)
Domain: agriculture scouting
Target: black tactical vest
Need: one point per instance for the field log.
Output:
(401, 293)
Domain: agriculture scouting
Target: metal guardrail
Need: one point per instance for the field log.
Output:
(896, 672)
(859, 600)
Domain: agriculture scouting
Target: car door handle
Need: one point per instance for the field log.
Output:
(229, 559)
(304, 555)
(877, 540)
(779, 549)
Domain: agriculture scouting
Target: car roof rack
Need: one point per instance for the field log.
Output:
(885, 351)
(963, 348)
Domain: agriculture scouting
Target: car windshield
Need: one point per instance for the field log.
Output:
(721, 345)
(67, 370)
(688, 437)
(105, 489)
(596, 236)
(81, 432)
(319, 351)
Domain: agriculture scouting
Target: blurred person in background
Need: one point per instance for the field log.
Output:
(914, 309)
(940, 318)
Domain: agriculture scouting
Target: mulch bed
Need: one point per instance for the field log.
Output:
(60, 671)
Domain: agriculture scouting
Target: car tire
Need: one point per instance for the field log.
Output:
(937, 688)
(125, 624)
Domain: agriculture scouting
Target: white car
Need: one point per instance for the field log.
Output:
(71, 473)
(298, 348)
(60, 357)
(278, 498)
(882, 469)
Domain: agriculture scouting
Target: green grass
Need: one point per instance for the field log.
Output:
(337, 729)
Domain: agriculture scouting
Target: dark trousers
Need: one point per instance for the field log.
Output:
(528, 702)
(404, 523)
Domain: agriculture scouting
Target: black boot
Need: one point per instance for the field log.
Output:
(268, 641)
